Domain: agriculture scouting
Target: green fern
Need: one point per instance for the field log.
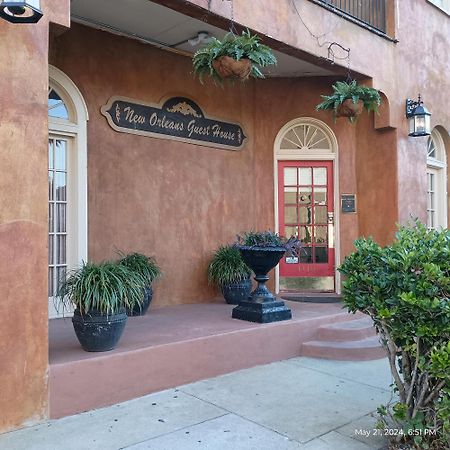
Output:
(343, 91)
(237, 47)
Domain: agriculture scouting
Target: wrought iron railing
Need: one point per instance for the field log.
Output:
(370, 12)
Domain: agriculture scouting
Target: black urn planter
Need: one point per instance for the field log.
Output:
(98, 332)
(140, 310)
(262, 306)
(234, 293)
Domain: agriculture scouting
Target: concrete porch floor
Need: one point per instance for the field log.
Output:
(172, 346)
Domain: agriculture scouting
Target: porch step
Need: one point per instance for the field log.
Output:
(309, 297)
(351, 330)
(351, 340)
(361, 350)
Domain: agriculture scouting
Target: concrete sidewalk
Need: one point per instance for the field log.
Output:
(300, 403)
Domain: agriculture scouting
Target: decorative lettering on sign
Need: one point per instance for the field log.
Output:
(177, 118)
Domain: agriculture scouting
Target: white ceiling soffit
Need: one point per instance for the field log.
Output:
(164, 27)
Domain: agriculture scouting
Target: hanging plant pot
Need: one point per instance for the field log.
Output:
(350, 109)
(234, 57)
(228, 67)
(349, 99)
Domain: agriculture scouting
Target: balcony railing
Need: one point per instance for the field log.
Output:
(369, 12)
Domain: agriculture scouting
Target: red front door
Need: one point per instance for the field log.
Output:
(306, 210)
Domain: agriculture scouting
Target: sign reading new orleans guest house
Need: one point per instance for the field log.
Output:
(177, 118)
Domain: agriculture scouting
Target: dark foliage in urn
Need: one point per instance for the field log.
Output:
(267, 239)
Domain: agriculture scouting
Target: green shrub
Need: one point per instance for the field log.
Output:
(405, 289)
(227, 267)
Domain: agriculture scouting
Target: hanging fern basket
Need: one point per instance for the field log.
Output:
(234, 57)
(228, 67)
(350, 109)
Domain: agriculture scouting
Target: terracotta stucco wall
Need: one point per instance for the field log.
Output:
(23, 217)
(179, 201)
(418, 62)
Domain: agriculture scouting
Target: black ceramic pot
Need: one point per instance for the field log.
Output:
(261, 306)
(234, 293)
(98, 332)
(140, 310)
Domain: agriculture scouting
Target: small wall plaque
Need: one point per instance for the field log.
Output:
(291, 260)
(348, 203)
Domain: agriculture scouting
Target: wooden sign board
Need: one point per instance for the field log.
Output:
(177, 118)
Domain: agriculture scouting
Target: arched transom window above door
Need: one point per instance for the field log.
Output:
(437, 203)
(306, 136)
(57, 109)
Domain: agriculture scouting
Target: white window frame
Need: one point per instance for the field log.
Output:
(438, 166)
(75, 131)
(329, 153)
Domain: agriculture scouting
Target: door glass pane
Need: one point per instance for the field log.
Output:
(60, 185)
(305, 215)
(290, 231)
(61, 254)
(60, 217)
(50, 281)
(50, 185)
(305, 234)
(60, 157)
(290, 195)
(321, 254)
(290, 214)
(50, 249)
(51, 227)
(320, 215)
(306, 255)
(320, 196)
(320, 235)
(320, 175)
(304, 174)
(290, 176)
(50, 154)
(304, 196)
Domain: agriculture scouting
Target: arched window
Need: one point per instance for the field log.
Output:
(67, 181)
(436, 182)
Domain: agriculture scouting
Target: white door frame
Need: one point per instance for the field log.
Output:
(308, 154)
(74, 130)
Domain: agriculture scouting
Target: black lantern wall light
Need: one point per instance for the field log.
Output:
(419, 118)
(19, 11)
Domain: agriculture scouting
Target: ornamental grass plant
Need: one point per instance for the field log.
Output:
(145, 266)
(405, 289)
(227, 267)
(105, 288)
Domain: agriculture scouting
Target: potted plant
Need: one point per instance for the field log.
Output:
(262, 251)
(149, 270)
(231, 274)
(349, 99)
(100, 293)
(233, 57)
